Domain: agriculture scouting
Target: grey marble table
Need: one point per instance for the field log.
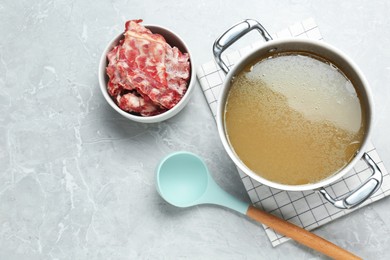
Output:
(77, 179)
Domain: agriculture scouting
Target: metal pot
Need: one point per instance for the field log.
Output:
(333, 55)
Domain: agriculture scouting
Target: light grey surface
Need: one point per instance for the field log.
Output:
(77, 179)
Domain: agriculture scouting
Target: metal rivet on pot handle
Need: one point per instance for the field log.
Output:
(360, 194)
(232, 35)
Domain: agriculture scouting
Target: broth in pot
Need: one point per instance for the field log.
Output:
(294, 118)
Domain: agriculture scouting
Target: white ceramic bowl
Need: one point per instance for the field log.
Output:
(173, 40)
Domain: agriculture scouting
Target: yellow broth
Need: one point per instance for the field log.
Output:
(294, 119)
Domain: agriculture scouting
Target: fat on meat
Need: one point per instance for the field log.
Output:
(146, 75)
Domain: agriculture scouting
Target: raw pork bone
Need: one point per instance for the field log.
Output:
(146, 75)
(138, 104)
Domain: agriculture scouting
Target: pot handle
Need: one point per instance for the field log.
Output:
(232, 35)
(361, 193)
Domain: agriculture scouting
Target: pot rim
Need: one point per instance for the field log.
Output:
(271, 45)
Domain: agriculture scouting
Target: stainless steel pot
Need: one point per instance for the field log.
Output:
(333, 55)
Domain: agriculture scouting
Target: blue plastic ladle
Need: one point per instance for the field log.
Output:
(183, 180)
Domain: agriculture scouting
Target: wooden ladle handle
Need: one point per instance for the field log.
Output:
(299, 234)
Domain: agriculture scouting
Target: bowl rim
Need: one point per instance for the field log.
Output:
(146, 119)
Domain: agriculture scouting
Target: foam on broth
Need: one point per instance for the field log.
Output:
(294, 119)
